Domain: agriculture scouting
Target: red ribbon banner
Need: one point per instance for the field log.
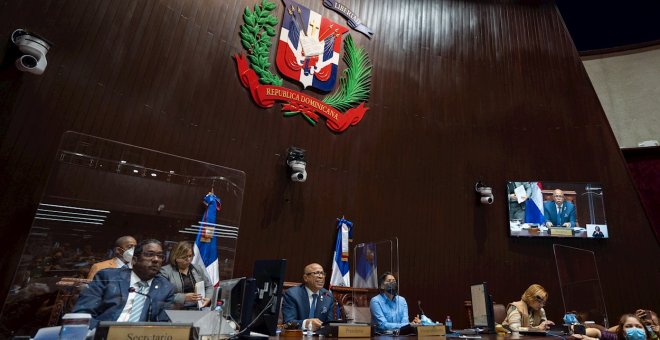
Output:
(266, 96)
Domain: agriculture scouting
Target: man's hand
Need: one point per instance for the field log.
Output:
(206, 303)
(567, 224)
(548, 224)
(313, 324)
(416, 320)
(545, 325)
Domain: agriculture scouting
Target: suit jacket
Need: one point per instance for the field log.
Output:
(106, 296)
(111, 263)
(567, 213)
(199, 274)
(296, 305)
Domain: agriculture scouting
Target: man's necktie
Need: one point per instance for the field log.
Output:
(312, 310)
(138, 302)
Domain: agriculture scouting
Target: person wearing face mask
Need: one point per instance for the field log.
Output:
(123, 251)
(389, 310)
(630, 327)
(528, 312)
(183, 274)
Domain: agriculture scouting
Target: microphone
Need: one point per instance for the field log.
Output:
(133, 290)
(419, 304)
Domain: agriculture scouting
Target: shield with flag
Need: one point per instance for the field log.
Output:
(341, 275)
(309, 47)
(206, 248)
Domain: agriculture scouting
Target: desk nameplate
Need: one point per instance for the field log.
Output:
(561, 231)
(347, 331)
(431, 330)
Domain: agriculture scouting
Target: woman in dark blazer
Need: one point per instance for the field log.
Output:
(183, 275)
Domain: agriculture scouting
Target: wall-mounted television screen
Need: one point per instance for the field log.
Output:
(556, 209)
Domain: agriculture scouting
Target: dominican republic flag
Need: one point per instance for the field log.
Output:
(309, 47)
(534, 205)
(366, 273)
(341, 275)
(206, 246)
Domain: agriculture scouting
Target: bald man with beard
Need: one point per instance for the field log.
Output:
(309, 305)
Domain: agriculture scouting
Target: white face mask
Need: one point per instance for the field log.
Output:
(128, 255)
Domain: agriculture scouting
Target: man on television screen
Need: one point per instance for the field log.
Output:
(558, 212)
(309, 305)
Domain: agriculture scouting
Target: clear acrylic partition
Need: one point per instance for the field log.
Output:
(370, 260)
(97, 191)
(579, 281)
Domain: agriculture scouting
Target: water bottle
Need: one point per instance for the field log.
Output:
(448, 324)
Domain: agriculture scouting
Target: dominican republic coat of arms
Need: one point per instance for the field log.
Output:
(308, 52)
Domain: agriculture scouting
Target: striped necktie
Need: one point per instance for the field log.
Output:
(138, 302)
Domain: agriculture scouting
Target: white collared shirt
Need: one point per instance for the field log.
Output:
(126, 312)
(119, 262)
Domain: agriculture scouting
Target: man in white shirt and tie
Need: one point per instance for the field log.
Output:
(559, 212)
(309, 305)
(129, 295)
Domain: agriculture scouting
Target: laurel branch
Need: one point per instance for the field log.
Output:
(257, 43)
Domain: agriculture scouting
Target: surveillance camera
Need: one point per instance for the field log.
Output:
(35, 49)
(485, 191)
(298, 171)
(296, 161)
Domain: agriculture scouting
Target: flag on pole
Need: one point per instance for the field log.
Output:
(366, 273)
(534, 205)
(206, 246)
(341, 275)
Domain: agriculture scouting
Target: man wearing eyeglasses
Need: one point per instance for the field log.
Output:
(129, 295)
(559, 212)
(309, 305)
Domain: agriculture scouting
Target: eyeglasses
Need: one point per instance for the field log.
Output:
(319, 273)
(151, 254)
(186, 257)
(541, 300)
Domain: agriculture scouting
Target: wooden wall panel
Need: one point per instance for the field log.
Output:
(461, 91)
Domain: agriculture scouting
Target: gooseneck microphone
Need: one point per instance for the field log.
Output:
(419, 304)
(133, 290)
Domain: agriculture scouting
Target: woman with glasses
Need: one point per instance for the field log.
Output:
(183, 275)
(528, 312)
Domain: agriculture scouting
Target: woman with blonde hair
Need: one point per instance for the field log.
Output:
(183, 275)
(528, 312)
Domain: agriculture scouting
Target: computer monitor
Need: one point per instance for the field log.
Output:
(482, 307)
(237, 296)
(269, 278)
(254, 303)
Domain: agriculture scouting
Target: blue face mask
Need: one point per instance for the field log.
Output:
(635, 334)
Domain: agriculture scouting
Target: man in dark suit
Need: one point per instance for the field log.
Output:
(309, 304)
(129, 295)
(559, 212)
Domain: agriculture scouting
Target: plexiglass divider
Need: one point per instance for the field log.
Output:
(579, 282)
(97, 191)
(370, 260)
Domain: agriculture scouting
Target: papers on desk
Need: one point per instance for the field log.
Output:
(521, 194)
(199, 289)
